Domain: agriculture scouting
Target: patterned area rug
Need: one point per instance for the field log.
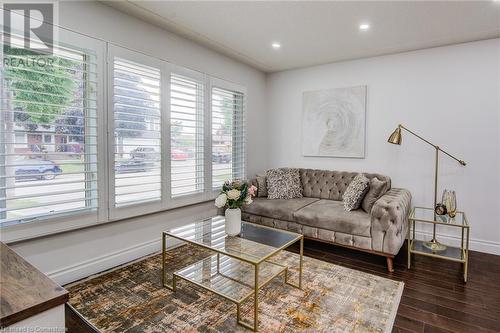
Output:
(333, 299)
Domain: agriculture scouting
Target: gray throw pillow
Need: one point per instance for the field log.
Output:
(377, 189)
(283, 183)
(355, 192)
(261, 186)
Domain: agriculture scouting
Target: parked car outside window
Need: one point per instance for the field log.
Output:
(179, 155)
(146, 153)
(36, 169)
(221, 157)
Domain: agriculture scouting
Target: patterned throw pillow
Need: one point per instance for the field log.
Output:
(283, 183)
(355, 192)
(261, 186)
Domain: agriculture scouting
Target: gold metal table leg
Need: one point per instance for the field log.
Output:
(466, 263)
(256, 300)
(409, 243)
(255, 326)
(301, 259)
(163, 268)
(163, 259)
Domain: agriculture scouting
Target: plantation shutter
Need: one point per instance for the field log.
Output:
(228, 136)
(48, 139)
(137, 132)
(186, 135)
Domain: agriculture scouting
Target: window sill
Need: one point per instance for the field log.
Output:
(37, 229)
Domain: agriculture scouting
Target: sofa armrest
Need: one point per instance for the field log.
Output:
(389, 218)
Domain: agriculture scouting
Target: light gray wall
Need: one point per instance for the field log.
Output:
(74, 255)
(450, 95)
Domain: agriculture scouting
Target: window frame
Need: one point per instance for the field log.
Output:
(184, 200)
(60, 222)
(231, 86)
(142, 208)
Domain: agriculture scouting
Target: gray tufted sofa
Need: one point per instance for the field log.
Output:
(320, 214)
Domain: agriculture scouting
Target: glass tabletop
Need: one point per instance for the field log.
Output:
(254, 244)
(428, 215)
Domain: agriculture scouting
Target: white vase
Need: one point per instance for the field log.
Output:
(233, 221)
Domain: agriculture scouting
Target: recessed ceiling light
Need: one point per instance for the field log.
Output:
(364, 27)
(276, 45)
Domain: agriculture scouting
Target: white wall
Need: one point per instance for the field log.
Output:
(74, 255)
(450, 95)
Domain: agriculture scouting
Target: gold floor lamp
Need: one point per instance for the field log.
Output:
(396, 139)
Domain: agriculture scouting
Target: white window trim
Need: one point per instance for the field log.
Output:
(175, 202)
(222, 84)
(118, 213)
(48, 225)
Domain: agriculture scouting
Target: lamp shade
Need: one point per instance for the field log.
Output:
(395, 137)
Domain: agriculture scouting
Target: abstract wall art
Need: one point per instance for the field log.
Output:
(333, 122)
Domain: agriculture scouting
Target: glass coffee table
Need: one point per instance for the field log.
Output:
(239, 266)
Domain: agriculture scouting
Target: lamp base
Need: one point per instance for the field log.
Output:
(435, 246)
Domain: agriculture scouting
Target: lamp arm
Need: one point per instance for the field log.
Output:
(462, 162)
(433, 145)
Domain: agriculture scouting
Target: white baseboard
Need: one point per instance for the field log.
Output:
(474, 244)
(96, 265)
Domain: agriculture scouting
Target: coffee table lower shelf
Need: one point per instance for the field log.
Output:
(230, 278)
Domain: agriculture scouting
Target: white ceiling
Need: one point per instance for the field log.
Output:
(314, 33)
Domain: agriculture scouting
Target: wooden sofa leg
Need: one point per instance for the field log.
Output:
(390, 264)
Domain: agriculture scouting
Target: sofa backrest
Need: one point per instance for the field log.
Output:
(325, 184)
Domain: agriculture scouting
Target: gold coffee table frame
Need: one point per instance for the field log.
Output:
(256, 264)
(451, 253)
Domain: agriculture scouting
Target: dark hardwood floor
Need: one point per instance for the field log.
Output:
(434, 299)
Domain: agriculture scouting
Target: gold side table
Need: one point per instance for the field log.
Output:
(451, 253)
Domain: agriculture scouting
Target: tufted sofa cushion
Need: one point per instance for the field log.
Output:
(277, 208)
(325, 184)
(330, 215)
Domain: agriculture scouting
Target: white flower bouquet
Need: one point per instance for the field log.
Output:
(235, 194)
